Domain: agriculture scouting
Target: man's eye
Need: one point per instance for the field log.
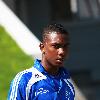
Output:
(56, 46)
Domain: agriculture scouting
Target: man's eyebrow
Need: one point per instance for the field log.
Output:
(60, 44)
(68, 43)
(56, 43)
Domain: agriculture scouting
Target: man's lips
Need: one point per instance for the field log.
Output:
(60, 59)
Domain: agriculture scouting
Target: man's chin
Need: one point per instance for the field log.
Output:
(59, 64)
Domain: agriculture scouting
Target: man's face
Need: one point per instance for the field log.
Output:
(56, 47)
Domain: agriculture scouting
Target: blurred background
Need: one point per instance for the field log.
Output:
(80, 17)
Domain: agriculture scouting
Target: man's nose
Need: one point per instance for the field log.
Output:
(61, 51)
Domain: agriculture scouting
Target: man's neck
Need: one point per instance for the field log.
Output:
(53, 70)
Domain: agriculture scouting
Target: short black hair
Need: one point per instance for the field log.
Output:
(53, 27)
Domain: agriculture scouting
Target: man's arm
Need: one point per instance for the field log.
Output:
(17, 89)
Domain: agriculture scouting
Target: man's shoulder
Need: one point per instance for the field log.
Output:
(28, 74)
(23, 75)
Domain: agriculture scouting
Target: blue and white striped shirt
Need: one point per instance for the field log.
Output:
(36, 84)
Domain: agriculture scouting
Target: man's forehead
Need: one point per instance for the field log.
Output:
(57, 37)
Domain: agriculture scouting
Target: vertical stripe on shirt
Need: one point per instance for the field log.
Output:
(16, 83)
(69, 84)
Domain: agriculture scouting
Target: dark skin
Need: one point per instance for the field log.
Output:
(55, 49)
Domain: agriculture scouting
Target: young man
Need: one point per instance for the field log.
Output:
(47, 79)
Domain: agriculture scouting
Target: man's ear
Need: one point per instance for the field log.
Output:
(41, 46)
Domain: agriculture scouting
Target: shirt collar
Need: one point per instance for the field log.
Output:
(38, 65)
(63, 73)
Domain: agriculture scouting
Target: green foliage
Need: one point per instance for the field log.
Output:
(12, 60)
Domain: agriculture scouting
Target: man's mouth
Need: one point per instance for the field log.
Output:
(60, 60)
